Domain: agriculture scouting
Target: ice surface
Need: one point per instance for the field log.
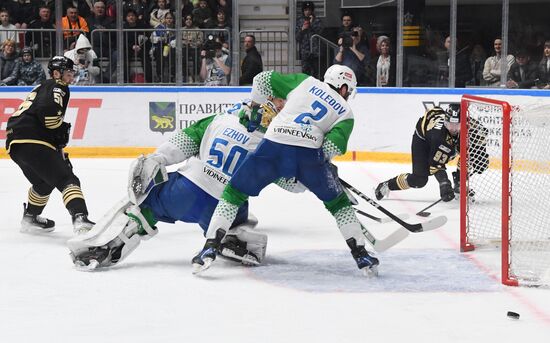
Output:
(309, 289)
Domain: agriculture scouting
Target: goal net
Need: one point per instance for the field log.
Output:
(505, 185)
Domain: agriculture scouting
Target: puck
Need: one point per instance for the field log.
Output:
(513, 315)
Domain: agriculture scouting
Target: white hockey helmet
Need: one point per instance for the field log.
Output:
(338, 75)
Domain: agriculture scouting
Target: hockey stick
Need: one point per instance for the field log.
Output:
(376, 219)
(419, 227)
(423, 213)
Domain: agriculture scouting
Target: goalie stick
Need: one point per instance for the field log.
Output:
(419, 227)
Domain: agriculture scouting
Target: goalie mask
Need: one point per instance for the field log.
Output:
(452, 119)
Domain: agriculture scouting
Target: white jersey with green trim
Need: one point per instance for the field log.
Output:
(225, 144)
(312, 109)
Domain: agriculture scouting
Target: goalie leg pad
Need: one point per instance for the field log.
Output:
(243, 245)
(113, 238)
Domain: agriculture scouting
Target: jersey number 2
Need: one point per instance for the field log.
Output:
(217, 157)
(316, 106)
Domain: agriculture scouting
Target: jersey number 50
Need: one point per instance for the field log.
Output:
(217, 156)
(316, 106)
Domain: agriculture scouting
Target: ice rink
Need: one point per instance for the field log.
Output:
(309, 289)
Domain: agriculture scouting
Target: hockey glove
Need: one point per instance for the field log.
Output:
(61, 135)
(446, 191)
(255, 118)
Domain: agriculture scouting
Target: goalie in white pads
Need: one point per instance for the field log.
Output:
(214, 148)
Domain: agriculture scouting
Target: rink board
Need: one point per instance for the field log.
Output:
(128, 121)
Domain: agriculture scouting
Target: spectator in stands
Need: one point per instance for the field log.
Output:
(215, 65)
(306, 26)
(73, 25)
(186, 8)
(6, 28)
(103, 42)
(157, 15)
(463, 73)
(384, 65)
(544, 68)
(28, 72)
(83, 7)
(136, 46)
(164, 41)
(523, 72)
(202, 15)
(83, 57)
(48, 3)
(224, 5)
(139, 6)
(347, 25)
(477, 61)
(353, 53)
(42, 41)
(192, 41)
(22, 12)
(221, 23)
(491, 69)
(252, 63)
(8, 60)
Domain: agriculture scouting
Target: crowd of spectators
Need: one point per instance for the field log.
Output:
(89, 36)
(149, 47)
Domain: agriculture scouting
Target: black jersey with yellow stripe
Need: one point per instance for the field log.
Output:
(441, 145)
(39, 118)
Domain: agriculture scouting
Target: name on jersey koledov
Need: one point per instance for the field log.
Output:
(323, 95)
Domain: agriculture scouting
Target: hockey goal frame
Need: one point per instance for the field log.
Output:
(465, 245)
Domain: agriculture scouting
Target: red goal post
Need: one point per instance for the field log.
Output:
(504, 178)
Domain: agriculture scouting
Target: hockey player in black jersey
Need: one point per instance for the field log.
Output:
(435, 142)
(36, 136)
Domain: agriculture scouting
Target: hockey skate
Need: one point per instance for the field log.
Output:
(382, 190)
(367, 263)
(32, 223)
(96, 257)
(81, 223)
(235, 250)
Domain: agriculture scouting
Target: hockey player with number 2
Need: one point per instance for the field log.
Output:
(214, 148)
(313, 127)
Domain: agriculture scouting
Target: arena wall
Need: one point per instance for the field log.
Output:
(127, 121)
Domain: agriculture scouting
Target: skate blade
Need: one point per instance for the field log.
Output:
(83, 267)
(370, 272)
(200, 268)
(35, 230)
(247, 260)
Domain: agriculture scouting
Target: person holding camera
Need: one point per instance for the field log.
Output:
(36, 136)
(215, 65)
(307, 26)
(353, 52)
(83, 58)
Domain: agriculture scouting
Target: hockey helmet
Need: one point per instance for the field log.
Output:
(452, 118)
(60, 63)
(338, 75)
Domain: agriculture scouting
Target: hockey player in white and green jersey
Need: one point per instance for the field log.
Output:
(214, 148)
(313, 127)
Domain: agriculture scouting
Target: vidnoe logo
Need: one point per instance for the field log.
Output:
(162, 116)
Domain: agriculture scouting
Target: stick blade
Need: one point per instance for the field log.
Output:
(433, 224)
(395, 237)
